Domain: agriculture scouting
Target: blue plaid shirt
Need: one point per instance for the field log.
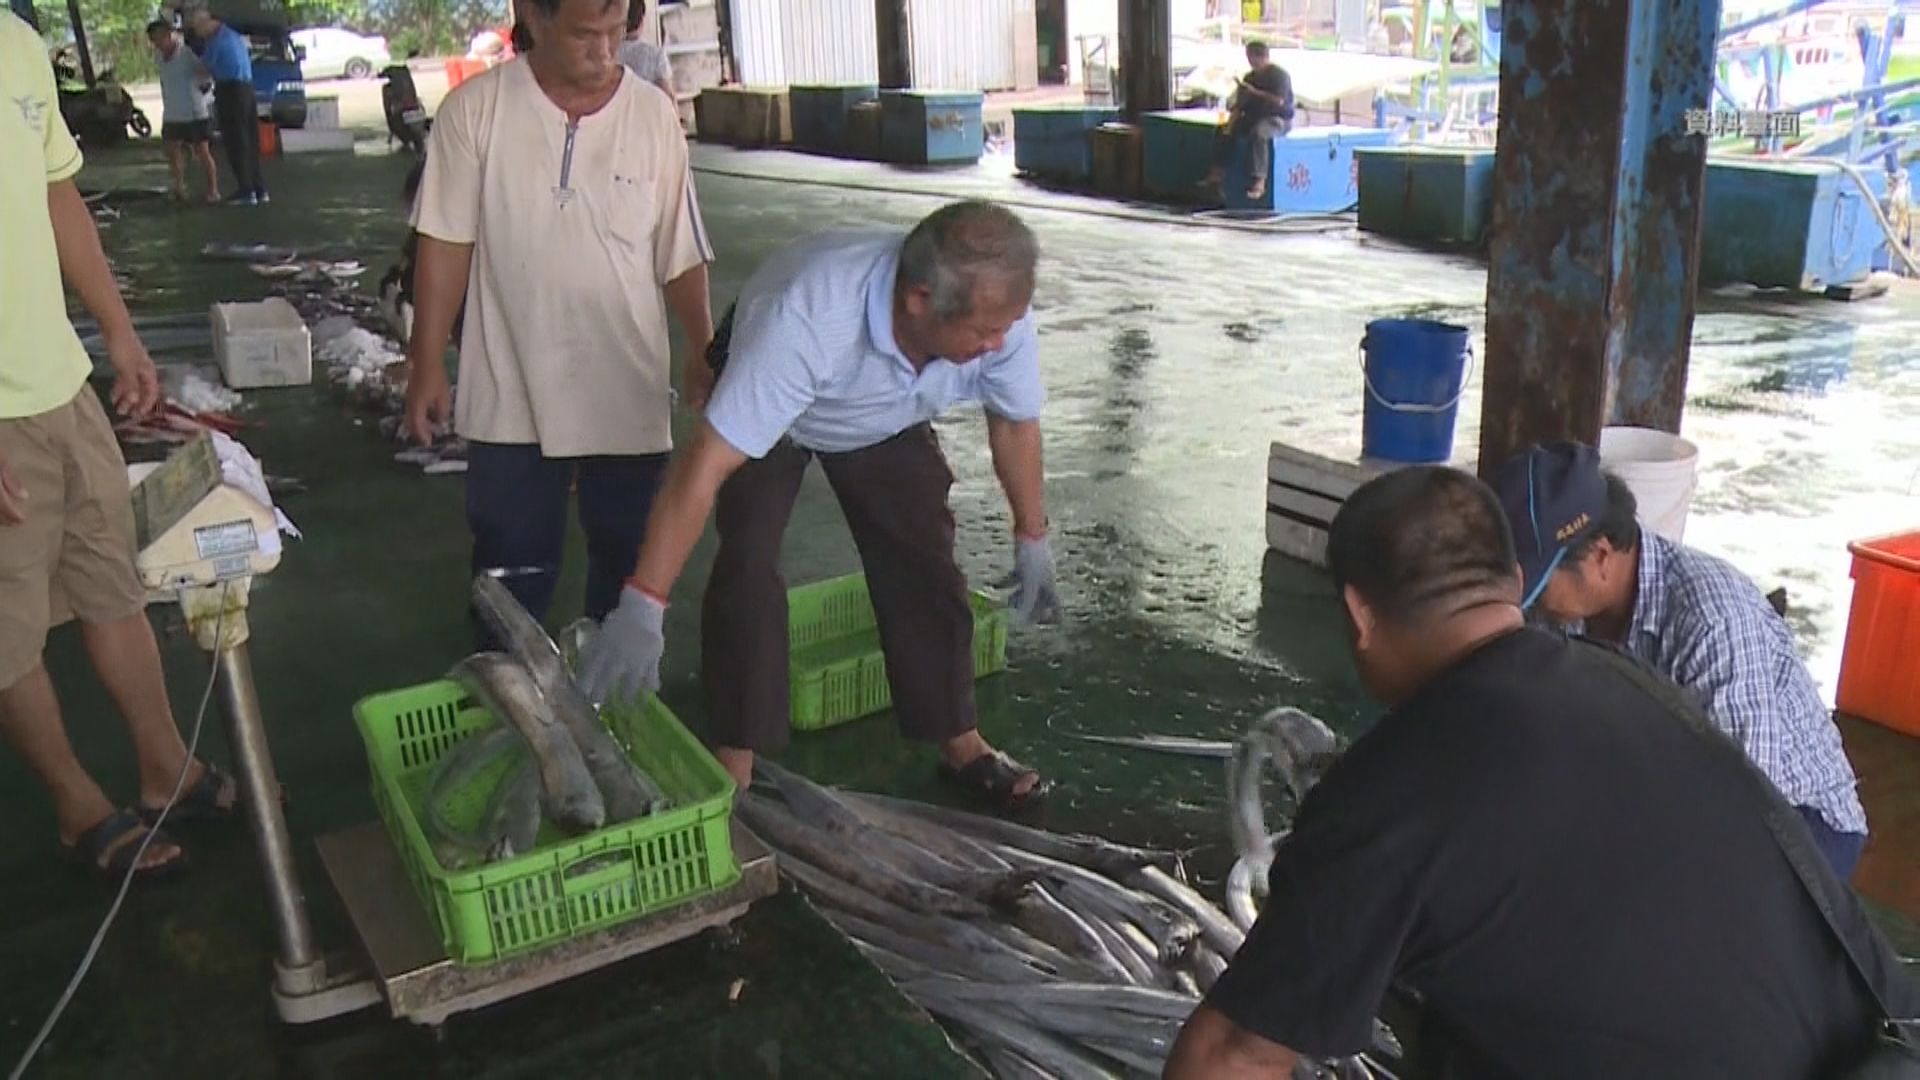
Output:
(1706, 625)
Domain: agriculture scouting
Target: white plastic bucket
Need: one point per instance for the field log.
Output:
(1660, 469)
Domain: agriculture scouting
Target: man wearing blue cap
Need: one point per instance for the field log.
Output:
(1589, 566)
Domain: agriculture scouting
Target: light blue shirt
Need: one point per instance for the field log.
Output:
(812, 356)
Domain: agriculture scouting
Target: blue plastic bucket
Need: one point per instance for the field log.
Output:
(1414, 371)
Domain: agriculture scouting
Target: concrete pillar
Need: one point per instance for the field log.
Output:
(895, 37)
(1146, 56)
(1595, 243)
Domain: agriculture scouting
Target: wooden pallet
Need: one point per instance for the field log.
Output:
(1304, 491)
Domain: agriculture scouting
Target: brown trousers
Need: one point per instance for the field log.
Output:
(894, 495)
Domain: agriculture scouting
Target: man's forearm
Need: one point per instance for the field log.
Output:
(1210, 1047)
(692, 306)
(82, 262)
(440, 272)
(1017, 461)
(674, 526)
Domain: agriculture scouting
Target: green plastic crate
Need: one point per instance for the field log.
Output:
(836, 671)
(566, 887)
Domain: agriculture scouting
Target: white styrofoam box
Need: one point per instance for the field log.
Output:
(307, 141)
(323, 114)
(264, 343)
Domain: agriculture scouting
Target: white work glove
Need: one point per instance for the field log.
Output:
(624, 658)
(1035, 598)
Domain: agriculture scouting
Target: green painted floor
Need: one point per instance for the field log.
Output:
(1173, 356)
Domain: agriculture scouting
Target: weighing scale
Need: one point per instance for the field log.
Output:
(202, 542)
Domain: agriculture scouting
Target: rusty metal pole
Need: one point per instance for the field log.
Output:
(1594, 257)
(1146, 56)
(895, 36)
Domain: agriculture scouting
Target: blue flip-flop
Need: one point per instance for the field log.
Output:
(200, 801)
(111, 834)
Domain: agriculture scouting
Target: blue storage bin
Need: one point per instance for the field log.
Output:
(821, 113)
(1177, 152)
(1796, 225)
(931, 127)
(1056, 143)
(1313, 170)
(1426, 194)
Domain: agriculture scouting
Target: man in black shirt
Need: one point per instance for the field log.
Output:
(1574, 881)
(1261, 108)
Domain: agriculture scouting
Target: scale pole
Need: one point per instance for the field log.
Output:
(298, 961)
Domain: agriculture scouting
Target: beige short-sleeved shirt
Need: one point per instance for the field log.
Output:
(575, 229)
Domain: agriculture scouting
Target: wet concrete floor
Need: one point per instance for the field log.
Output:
(1174, 355)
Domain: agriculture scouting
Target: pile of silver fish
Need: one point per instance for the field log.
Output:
(1048, 954)
(565, 766)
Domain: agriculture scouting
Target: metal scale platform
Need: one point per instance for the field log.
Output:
(202, 542)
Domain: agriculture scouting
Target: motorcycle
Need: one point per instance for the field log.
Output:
(99, 115)
(406, 118)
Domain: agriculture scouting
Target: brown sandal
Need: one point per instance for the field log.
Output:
(994, 776)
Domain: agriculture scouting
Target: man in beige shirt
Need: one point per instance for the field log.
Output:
(557, 200)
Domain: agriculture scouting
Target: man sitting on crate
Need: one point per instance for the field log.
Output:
(844, 347)
(1590, 565)
(1261, 108)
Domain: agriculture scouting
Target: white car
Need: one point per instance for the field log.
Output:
(333, 53)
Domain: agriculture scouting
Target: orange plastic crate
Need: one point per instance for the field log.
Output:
(1880, 667)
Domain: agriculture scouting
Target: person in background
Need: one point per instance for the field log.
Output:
(643, 57)
(224, 52)
(1542, 842)
(1261, 107)
(558, 202)
(1593, 569)
(184, 128)
(66, 514)
(844, 347)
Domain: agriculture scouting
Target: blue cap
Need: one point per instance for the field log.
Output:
(1554, 495)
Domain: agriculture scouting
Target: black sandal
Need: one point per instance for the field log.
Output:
(111, 835)
(994, 776)
(199, 801)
